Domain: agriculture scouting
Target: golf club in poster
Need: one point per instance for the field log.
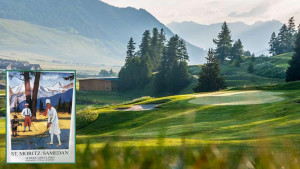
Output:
(40, 117)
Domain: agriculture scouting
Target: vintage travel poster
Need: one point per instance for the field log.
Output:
(40, 123)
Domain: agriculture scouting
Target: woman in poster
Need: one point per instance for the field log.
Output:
(53, 123)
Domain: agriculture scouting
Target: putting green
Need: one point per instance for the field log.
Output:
(237, 98)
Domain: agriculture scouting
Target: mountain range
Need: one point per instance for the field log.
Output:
(254, 37)
(17, 93)
(75, 31)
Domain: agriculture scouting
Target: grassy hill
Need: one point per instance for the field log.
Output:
(268, 71)
(200, 117)
(53, 49)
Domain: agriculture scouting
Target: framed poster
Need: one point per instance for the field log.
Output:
(40, 117)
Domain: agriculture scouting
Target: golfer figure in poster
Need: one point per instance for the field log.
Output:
(53, 123)
(26, 113)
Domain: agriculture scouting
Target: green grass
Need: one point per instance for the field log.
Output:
(239, 98)
(282, 60)
(99, 98)
(181, 132)
(199, 124)
(239, 76)
(2, 139)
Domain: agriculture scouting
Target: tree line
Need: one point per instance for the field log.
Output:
(105, 73)
(165, 61)
(284, 41)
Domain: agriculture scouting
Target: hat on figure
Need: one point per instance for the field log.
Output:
(26, 104)
(48, 101)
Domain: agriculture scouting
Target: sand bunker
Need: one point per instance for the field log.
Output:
(237, 98)
(141, 107)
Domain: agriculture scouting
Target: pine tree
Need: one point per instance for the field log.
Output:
(161, 41)
(292, 26)
(210, 78)
(59, 106)
(179, 77)
(293, 71)
(273, 44)
(224, 43)
(41, 105)
(291, 34)
(252, 57)
(154, 55)
(144, 70)
(112, 73)
(173, 73)
(251, 67)
(64, 107)
(130, 49)
(283, 40)
(145, 46)
(70, 106)
(237, 53)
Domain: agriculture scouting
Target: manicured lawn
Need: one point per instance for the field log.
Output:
(179, 131)
(178, 118)
(99, 98)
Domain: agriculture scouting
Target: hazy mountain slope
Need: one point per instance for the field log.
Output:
(54, 45)
(254, 37)
(110, 26)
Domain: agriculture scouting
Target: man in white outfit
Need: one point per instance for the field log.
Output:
(53, 123)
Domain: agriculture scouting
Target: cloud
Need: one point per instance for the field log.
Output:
(50, 77)
(258, 10)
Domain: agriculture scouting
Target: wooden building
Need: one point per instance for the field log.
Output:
(100, 84)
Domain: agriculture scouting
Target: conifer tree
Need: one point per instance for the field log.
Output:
(41, 105)
(210, 78)
(252, 57)
(173, 72)
(59, 106)
(285, 40)
(273, 44)
(251, 67)
(161, 41)
(146, 43)
(293, 71)
(224, 43)
(291, 34)
(237, 53)
(282, 40)
(155, 53)
(130, 49)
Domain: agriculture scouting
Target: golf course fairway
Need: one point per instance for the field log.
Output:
(245, 118)
(237, 98)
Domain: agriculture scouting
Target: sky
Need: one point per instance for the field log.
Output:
(214, 11)
(47, 79)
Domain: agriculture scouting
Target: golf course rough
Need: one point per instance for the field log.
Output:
(237, 98)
